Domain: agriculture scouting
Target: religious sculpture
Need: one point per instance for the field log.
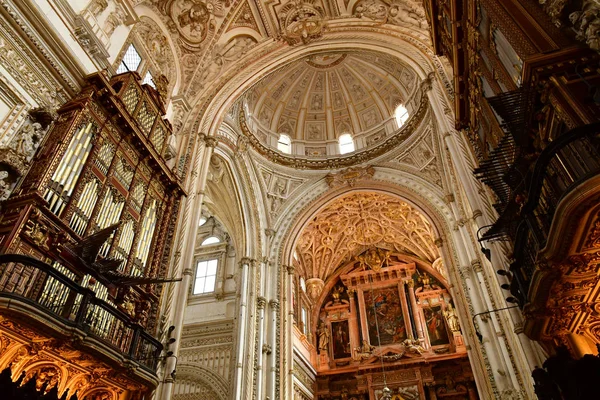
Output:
(323, 339)
(365, 350)
(452, 319)
(27, 140)
(413, 346)
(4, 185)
(586, 23)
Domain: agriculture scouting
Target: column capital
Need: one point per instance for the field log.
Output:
(270, 232)
(274, 304)
(290, 269)
(247, 260)
(476, 265)
(410, 283)
(187, 271)
(438, 242)
(209, 141)
(261, 302)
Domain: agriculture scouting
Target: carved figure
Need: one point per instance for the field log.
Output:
(452, 319)
(413, 346)
(407, 14)
(372, 9)
(26, 142)
(587, 23)
(195, 17)
(324, 337)
(4, 186)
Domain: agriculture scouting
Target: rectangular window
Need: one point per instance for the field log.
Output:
(131, 60)
(304, 321)
(206, 274)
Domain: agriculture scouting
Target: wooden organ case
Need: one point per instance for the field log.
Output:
(386, 313)
(104, 163)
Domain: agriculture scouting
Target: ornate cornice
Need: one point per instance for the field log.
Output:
(357, 157)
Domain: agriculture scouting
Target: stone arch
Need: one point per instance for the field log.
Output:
(429, 204)
(245, 242)
(144, 11)
(202, 376)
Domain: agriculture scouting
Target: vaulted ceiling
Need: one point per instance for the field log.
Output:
(351, 223)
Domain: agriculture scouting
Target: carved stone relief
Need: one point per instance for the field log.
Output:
(301, 22)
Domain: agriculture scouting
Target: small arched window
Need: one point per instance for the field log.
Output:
(346, 143)
(211, 240)
(202, 221)
(401, 115)
(284, 144)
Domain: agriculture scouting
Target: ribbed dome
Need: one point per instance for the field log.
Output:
(319, 98)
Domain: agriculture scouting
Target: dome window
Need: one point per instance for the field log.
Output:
(284, 144)
(346, 143)
(401, 115)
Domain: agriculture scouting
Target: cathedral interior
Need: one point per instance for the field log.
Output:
(299, 199)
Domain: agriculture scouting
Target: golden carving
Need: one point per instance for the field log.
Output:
(54, 363)
(358, 220)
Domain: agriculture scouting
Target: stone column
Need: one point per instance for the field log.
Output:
(289, 348)
(272, 350)
(261, 302)
(190, 229)
(413, 301)
(245, 264)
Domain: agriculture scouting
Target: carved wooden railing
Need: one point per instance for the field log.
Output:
(40, 285)
(565, 163)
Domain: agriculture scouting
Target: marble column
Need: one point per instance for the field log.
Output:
(245, 264)
(416, 315)
(289, 349)
(353, 323)
(188, 237)
(261, 302)
(272, 350)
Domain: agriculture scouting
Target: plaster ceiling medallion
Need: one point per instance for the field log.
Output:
(301, 22)
(194, 19)
(351, 223)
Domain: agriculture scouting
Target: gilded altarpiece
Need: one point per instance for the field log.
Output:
(384, 311)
